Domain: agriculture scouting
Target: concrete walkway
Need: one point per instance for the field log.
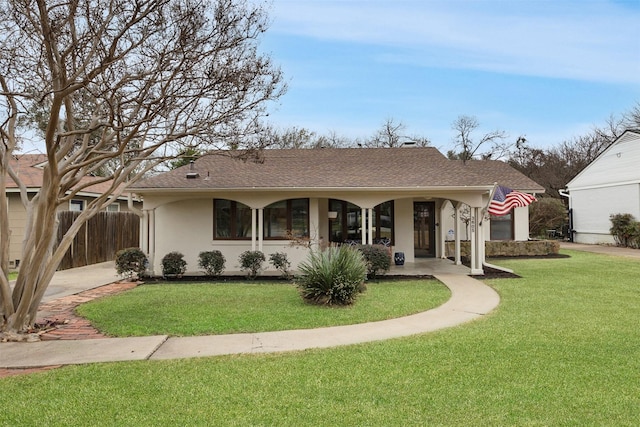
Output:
(470, 299)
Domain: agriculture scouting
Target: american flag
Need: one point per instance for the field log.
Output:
(504, 199)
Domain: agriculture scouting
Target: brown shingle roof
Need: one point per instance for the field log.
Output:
(27, 167)
(340, 168)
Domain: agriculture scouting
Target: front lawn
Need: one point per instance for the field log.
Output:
(184, 309)
(561, 349)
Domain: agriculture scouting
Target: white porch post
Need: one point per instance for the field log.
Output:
(363, 229)
(370, 242)
(152, 239)
(144, 232)
(456, 231)
(477, 239)
(253, 229)
(442, 246)
(260, 228)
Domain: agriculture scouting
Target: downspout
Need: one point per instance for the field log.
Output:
(565, 193)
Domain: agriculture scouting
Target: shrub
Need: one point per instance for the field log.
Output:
(281, 263)
(173, 264)
(378, 259)
(333, 276)
(625, 230)
(251, 262)
(212, 262)
(547, 214)
(131, 262)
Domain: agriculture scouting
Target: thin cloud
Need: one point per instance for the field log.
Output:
(587, 40)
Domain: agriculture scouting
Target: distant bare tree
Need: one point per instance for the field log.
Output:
(120, 83)
(389, 135)
(467, 148)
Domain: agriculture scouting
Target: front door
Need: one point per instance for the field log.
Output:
(424, 229)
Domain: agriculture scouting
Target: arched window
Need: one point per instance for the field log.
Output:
(232, 220)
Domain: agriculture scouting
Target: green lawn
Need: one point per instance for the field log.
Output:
(185, 309)
(561, 349)
(13, 275)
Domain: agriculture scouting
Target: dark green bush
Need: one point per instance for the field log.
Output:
(625, 230)
(212, 262)
(547, 214)
(378, 259)
(131, 263)
(173, 265)
(334, 276)
(281, 263)
(251, 262)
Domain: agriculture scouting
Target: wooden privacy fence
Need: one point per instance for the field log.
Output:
(100, 238)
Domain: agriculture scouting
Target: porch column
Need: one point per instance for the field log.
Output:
(370, 226)
(253, 229)
(440, 232)
(456, 232)
(363, 230)
(476, 240)
(144, 231)
(260, 228)
(152, 239)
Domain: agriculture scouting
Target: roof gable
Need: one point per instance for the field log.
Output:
(617, 163)
(340, 168)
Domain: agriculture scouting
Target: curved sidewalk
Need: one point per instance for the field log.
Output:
(470, 299)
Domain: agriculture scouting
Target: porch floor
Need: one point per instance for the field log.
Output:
(428, 267)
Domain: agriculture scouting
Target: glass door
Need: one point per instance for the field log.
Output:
(424, 229)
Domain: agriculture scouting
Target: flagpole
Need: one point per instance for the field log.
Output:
(491, 193)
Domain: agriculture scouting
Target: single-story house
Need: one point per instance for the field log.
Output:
(29, 168)
(610, 184)
(294, 199)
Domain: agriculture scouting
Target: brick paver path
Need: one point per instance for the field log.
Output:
(66, 325)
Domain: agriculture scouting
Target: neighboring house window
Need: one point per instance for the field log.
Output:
(233, 219)
(286, 216)
(347, 226)
(502, 227)
(76, 205)
(113, 207)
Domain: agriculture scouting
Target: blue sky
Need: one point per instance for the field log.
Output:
(547, 69)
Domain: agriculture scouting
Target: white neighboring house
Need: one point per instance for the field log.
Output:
(401, 197)
(608, 185)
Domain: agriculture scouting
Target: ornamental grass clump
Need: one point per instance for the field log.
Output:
(333, 277)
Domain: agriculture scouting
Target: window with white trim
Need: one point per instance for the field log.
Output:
(76, 205)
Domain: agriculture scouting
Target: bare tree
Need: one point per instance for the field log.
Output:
(468, 148)
(389, 135)
(117, 82)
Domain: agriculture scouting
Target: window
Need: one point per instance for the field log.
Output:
(286, 216)
(76, 205)
(113, 207)
(502, 227)
(348, 223)
(233, 219)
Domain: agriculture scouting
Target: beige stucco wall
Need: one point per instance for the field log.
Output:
(184, 222)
